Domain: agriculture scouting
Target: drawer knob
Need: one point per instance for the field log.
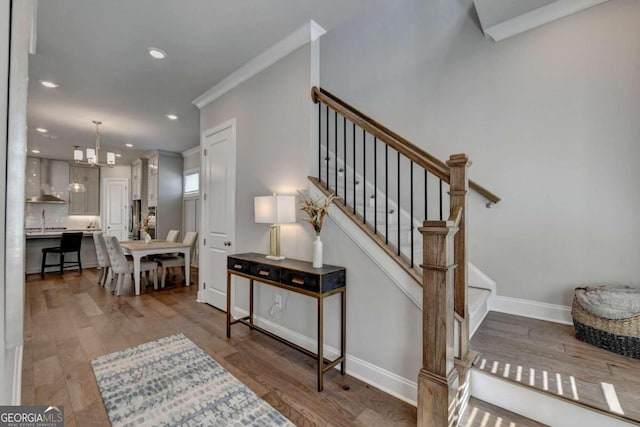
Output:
(298, 281)
(263, 273)
(237, 267)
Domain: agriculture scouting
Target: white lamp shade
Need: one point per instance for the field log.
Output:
(275, 209)
(111, 158)
(77, 154)
(91, 155)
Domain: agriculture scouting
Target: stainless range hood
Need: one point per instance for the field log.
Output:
(46, 179)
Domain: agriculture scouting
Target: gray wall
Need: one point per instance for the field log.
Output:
(549, 118)
(274, 113)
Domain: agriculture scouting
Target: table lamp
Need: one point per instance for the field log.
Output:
(274, 210)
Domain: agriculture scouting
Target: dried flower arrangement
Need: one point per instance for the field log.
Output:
(316, 209)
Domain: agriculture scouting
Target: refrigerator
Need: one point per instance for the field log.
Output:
(135, 218)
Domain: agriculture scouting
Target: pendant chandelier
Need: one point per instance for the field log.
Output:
(94, 154)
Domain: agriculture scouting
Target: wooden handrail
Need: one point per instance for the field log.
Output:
(398, 143)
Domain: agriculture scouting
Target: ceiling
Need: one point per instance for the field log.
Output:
(96, 50)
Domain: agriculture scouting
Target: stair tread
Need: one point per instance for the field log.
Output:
(562, 365)
(482, 414)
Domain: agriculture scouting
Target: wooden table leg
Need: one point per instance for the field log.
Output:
(320, 344)
(228, 305)
(187, 267)
(343, 331)
(251, 302)
(136, 272)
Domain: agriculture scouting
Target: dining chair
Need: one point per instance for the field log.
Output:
(177, 261)
(172, 235)
(122, 268)
(69, 243)
(103, 257)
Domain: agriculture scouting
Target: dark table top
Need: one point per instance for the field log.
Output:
(291, 264)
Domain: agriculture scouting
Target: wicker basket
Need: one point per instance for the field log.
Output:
(619, 336)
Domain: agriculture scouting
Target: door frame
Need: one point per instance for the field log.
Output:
(103, 202)
(231, 123)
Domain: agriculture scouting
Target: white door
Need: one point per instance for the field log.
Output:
(115, 207)
(218, 212)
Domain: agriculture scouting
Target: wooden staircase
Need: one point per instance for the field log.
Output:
(384, 183)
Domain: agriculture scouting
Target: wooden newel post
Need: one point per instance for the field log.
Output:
(438, 378)
(458, 188)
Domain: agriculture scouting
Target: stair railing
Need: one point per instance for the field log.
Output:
(352, 145)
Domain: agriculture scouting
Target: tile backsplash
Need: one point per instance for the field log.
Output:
(57, 215)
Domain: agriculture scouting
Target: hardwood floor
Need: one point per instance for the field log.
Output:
(547, 356)
(70, 320)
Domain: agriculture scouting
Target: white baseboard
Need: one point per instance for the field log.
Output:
(533, 309)
(369, 373)
(16, 389)
(537, 405)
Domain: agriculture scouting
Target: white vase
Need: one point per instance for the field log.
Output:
(317, 252)
(147, 238)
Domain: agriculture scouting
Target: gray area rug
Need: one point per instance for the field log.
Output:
(173, 382)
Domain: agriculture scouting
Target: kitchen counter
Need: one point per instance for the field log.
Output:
(47, 234)
(36, 240)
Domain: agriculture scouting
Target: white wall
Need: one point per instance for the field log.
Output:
(549, 118)
(12, 183)
(191, 158)
(274, 115)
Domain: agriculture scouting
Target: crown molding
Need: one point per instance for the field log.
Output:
(190, 151)
(310, 31)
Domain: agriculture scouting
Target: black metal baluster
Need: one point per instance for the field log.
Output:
(375, 185)
(319, 142)
(440, 200)
(411, 215)
(398, 213)
(335, 153)
(386, 194)
(426, 197)
(364, 176)
(327, 148)
(354, 169)
(344, 164)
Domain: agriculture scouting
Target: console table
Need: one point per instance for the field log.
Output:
(299, 277)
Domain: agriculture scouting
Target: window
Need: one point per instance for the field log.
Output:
(192, 184)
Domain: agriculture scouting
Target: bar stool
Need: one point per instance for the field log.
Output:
(69, 242)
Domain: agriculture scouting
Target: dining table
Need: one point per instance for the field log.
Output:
(139, 249)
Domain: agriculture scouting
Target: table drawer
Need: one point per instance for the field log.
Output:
(239, 265)
(266, 272)
(300, 280)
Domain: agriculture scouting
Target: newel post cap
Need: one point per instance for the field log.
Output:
(458, 160)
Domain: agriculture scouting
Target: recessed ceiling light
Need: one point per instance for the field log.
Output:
(41, 130)
(157, 53)
(118, 155)
(47, 83)
(47, 136)
(129, 145)
(172, 117)
(35, 151)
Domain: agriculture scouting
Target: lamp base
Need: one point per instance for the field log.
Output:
(275, 258)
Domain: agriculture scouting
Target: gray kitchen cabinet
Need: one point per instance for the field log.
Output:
(87, 202)
(32, 187)
(139, 179)
(164, 190)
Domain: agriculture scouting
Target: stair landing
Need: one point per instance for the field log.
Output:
(548, 357)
